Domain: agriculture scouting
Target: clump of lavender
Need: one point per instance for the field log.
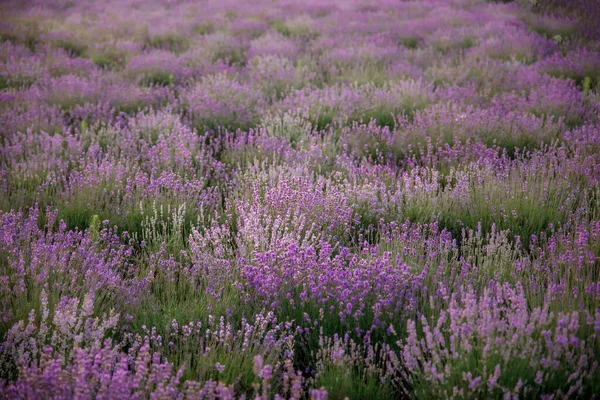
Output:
(220, 101)
(493, 344)
(157, 68)
(61, 262)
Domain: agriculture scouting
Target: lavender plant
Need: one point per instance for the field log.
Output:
(292, 199)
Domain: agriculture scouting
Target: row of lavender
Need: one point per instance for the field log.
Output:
(321, 200)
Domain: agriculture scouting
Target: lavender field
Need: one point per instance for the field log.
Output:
(299, 199)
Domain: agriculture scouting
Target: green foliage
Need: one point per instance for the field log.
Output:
(343, 383)
(587, 84)
(16, 82)
(547, 25)
(280, 27)
(412, 42)
(383, 116)
(520, 213)
(72, 46)
(169, 41)
(156, 78)
(94, 227)
(204, 28)
(21, 30)
(109, 58)
(232, 55)
(83, 126)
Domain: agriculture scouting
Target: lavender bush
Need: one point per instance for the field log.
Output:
(299, 200)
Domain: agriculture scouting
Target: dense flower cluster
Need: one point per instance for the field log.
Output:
(299, 199)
